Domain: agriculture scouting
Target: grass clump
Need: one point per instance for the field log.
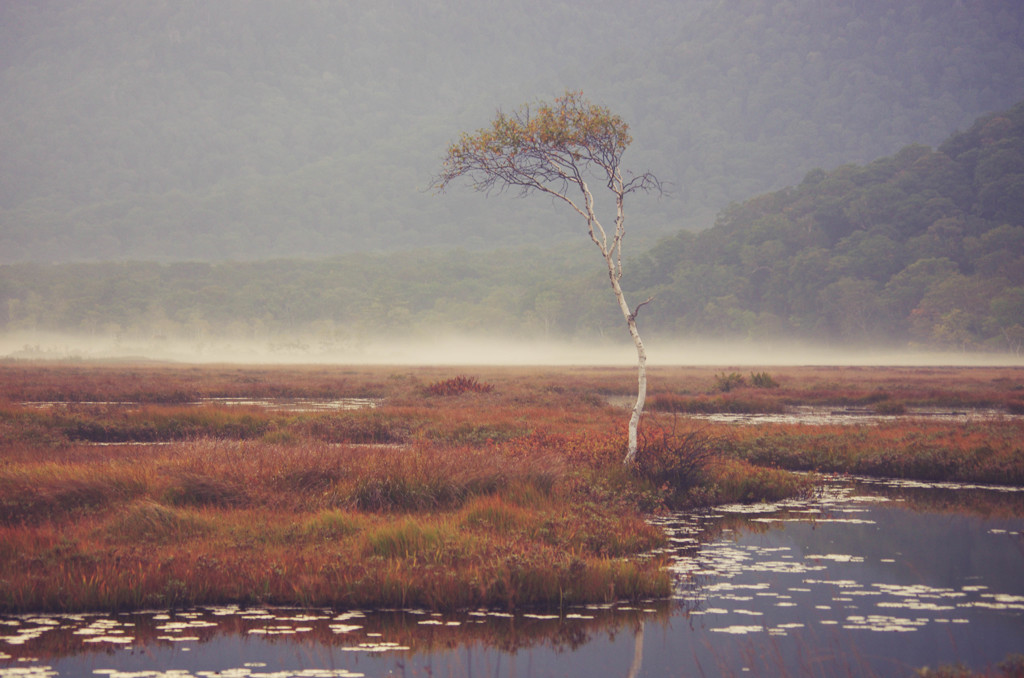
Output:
(196, 489)
(408, 538)
(148, 521)
(359, 427)
(332, 525)
(495, 513)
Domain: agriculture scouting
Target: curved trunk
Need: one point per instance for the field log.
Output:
(641, 363)
(641, 392)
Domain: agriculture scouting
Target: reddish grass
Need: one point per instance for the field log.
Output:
(516, 498)
(989, 451)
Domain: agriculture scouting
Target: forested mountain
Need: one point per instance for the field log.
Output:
(250, 129)
(924, 247)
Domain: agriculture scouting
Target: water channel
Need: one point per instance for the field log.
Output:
(869, 578)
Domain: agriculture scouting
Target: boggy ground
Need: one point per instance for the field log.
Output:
(125, 487)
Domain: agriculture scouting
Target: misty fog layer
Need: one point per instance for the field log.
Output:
(249, 129)
(465, 350)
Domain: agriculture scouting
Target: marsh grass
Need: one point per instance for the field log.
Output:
(984, 451)
(218, 521)
(515, 497)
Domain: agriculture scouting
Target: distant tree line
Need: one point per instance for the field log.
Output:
(924, 247)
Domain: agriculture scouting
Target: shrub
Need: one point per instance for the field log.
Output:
(890, 407)
(762, 380)
(674, 459)
(727, 382)
(458, 386)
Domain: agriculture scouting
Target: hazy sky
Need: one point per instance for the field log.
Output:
(253, 129)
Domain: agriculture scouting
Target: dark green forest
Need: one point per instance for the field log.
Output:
(257, 129)
(924, 247)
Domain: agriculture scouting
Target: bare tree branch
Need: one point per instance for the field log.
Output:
(643, 303)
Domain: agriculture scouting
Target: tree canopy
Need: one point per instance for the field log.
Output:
(540, 150)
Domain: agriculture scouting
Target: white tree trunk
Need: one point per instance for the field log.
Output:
(641, 360)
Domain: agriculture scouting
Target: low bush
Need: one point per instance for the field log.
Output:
(1015, 406)
(457, 386)
(675, 460)
(890, 407)
(727, 382)
(762, 380)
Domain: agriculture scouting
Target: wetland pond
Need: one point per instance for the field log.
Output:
(867, 578)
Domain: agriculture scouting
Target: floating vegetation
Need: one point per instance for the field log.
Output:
(738, 580)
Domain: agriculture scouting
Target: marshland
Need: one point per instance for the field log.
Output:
(127, 488)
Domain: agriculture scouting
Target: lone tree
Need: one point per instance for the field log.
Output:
(554, 149)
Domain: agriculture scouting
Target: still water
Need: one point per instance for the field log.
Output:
(868, 578)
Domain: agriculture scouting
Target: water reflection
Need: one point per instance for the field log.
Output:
(298, 404)
(867, 579)
(278, 404)
(817, 415)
